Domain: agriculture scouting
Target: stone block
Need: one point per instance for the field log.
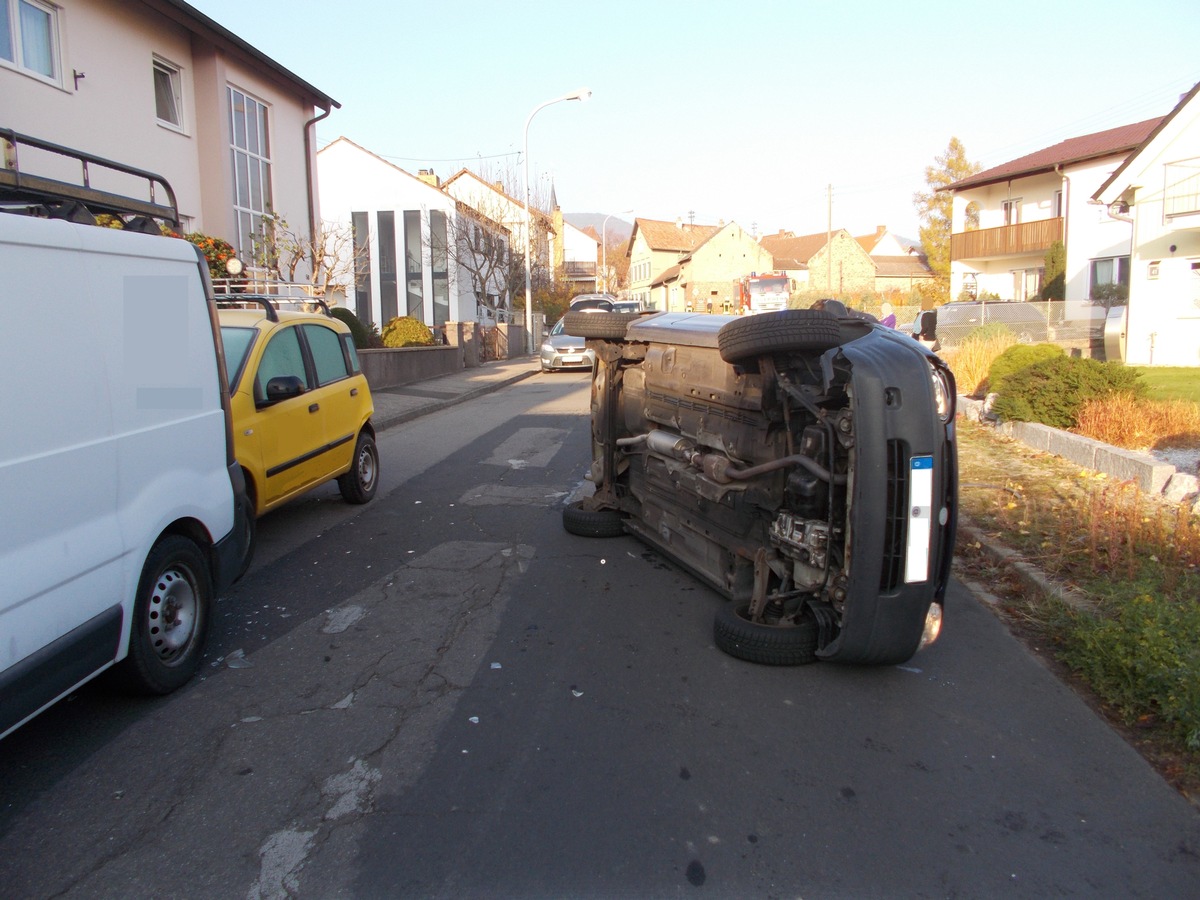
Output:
(1180, 486)
(1148, 473)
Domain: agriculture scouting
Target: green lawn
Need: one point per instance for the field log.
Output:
(1167, 383)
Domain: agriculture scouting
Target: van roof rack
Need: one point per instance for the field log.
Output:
(270, 304)
(36, 190)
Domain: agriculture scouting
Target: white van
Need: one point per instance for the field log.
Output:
(124, 512)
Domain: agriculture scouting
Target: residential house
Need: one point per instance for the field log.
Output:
(900, 263)
(827, 263)
(409, 248)
(704, 280)
(1005, 218)
(1157, 190)
(493, 202)
(654, 248)
(575, 257)
(157, 85)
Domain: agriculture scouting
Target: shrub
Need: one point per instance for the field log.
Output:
(1052, 391)
(1146, 656)
(361, 333)
(1017, 357)
(405, 331)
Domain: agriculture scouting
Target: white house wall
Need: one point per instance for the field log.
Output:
(354, 180)
(1164, 278)
(112, 111)
(1090, 233)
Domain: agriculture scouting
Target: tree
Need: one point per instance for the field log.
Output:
(1054, 286)
(479, 246)
(325, 261)
(934, 207)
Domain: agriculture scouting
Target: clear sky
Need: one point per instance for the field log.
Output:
(735, 110)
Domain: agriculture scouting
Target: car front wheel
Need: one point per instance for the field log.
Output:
(359, 484)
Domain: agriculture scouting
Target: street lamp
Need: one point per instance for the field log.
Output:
(581, 94)
(604, 244)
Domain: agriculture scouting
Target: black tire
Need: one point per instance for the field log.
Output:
(771, 645)
(604, 326)
(592, 523)
(246, 511)
(170, 618)
(778, 332)
(360, 483)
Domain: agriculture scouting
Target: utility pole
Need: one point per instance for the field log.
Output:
(829, 240)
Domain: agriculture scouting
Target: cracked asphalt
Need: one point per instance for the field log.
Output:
(442, 694)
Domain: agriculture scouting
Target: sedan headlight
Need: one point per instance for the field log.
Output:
(943, 391)
(548, 348)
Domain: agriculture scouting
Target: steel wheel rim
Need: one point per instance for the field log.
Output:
(172, 613)
(366, 468)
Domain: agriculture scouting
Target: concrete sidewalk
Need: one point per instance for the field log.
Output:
(396, 405)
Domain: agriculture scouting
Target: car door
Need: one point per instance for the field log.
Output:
(291, 432)
(342, 395)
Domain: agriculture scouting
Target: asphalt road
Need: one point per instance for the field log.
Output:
(442, 694)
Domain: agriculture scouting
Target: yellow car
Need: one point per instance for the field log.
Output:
(300, 403)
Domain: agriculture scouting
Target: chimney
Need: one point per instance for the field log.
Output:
(880, 231)
(427, 176)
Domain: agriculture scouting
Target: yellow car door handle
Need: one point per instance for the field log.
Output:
(313, 407)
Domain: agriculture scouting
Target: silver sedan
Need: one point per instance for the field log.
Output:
(565, 351)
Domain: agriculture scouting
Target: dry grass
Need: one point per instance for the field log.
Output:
(1138, 424)
(971, 360)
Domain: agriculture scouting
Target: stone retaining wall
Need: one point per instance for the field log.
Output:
(1149, 473)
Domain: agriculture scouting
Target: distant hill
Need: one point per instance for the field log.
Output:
(618, 228)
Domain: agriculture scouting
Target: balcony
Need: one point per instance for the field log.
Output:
(579, 269)
(1008, 240)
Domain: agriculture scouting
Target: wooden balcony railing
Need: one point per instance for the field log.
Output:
(1008, 240)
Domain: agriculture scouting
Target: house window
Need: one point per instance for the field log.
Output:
(250, 146)
(1012, 212)
(412, 264)
(388, 292)
(168, 96)
(1182, 194)
(1108, 280)
(1058, 204)
(1027, 283)
(29, 37)
(439, 253)
(359, 224)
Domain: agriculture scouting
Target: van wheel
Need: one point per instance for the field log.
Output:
(246, 513)
(359, 484)
(593, 523)
(771, 645)
(778, 332)
(170, 618)
(604, 326)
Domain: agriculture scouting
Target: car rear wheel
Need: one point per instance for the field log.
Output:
(771, 645)
(170, 618)
(604, 326)
(778, 332)
(359, 484)
(594, 523)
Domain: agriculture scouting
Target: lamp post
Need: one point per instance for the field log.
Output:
(581, 94)
(604, 244)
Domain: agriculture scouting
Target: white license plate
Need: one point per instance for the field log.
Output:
(920, 518)
(571, 359)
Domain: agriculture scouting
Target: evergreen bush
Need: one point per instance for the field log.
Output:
(1017, 357)
(1053, 390)
(405, 331)
(360, 332)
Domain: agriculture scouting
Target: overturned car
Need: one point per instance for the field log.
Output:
(801, 462)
